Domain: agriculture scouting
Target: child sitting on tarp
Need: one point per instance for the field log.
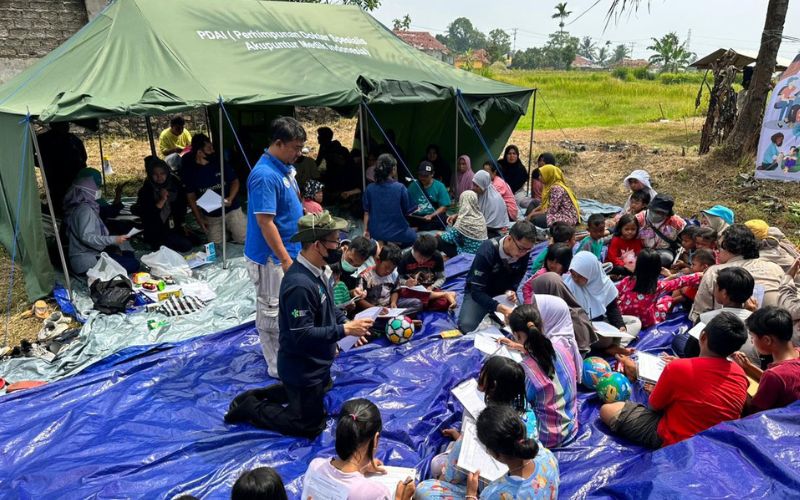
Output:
(597, 239)
(422, 265)
(701, 261)
(560, 232)
(688, 239)
(312, 196)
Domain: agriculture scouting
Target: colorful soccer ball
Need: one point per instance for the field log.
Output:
(594, 368)
(614, 387)
(399, 330)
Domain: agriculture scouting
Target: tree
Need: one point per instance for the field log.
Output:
(498, 45)
(560, 50)
(670, 53)
(602, 56)
(587, 48)
(462, 36)
(368, 5)
(401, 24)
(531, 58)
(561, 14)
(621, 52)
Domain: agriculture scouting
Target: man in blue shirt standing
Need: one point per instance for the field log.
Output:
(273, 209)
(428, 217)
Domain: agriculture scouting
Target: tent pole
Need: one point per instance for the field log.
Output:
(530, 144)
(67, 280)
(150, 135)
(208, 125)
(455, 169)
(363, 148)
(102, 159)
(222, 182)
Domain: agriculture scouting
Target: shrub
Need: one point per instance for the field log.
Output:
(643, 73)
(623, 74)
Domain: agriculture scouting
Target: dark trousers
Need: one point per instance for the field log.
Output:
(289, 410)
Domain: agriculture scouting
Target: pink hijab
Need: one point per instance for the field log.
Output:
(464, 181)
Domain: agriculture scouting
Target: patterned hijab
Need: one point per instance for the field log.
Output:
(470, 221)
(553, 176)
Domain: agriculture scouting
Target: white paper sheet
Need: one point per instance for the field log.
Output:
(649, 366)
(697, 330)
(486, 342)
(393, 476)
(210, 201)
(417, 288)
(323, 488)
(133, 232)
(609, 331)
(758, 294)
(371, 313)
(347, 343)
(470, 397)
(474, 457)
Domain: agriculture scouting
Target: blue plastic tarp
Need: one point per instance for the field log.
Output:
(148, 423)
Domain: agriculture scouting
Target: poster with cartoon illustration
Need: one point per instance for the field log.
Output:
(780, 134)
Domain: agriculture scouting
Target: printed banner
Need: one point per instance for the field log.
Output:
(777, 157)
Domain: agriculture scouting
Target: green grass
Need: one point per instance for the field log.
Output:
(572, 99)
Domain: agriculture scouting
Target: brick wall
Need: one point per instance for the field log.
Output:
(29, 29)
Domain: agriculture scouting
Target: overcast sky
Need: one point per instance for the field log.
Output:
(713, 23)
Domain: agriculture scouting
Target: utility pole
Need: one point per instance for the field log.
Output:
(514, 44)
(632, 44)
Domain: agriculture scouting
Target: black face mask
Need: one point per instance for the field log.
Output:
(333, 256)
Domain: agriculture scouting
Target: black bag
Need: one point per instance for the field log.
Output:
(112, 296)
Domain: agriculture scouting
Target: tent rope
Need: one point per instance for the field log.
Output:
(22, 170)
(235, 135)
(402, 162)
(474, 126)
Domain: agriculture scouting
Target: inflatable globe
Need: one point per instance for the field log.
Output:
(399, 330)
(594, 368)
(614, 387)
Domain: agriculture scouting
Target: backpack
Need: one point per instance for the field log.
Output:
(112, 296)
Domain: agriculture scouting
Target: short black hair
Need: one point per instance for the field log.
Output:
(325, 133)
(738, 239)
(771, 320)
(177, 121)
(199, 140)
(390, 253)
(547, 158)
(642, 195)
(523, 230)
(286, 129)
(336, 269)
(705, 256)
(259, 483)
(737, 282)
(561, 232)
(492, 165)
(364, 247)
(559, 252)
(596, 220)
(426, 245)
(725, 333)
(707, 233)
(688, 231)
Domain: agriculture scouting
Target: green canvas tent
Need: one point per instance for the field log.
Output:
(151, 57)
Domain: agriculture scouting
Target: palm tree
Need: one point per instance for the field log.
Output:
(670, 53)
(587, 48)
(621, 51)
(561, 14)
(602, 56)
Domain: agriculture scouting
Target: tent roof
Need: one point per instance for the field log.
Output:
(743, 58)
(153, 57)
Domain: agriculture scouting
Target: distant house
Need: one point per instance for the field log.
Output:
(581, 62)
(424, 41)
(632, 63)
(479, 59)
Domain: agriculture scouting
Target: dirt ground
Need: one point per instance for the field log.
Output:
(598, 161)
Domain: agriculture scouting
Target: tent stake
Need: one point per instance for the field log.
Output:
(102, 159)
(222, 182)
(363, 149)
(530, 144)
(150, 135)
(52, 212)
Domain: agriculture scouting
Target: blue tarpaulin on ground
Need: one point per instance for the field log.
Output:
(148, 423)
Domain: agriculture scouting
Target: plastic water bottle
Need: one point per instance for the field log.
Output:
(107, 166)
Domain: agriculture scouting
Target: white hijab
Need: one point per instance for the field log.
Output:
(643, 177)
(598, 292)
(491, 202)
(557, 324)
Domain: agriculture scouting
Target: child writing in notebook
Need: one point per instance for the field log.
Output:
(358, 430)
(779, 385)
(532, 468)
(645, 296)
(702, 259)
(683, 258)
(560, 232)
(557, 259)
(625, 246)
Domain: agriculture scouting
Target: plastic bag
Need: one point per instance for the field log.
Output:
(166, 262)
(105, 269)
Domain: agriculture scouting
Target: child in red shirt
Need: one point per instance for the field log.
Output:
(692, 394)
(701, 260)
(625, 246)
(645, 296)
(771, 330)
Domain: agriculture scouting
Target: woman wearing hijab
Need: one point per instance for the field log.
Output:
(161, 204)
(773, 245)
(87, 234)
(597, 295)
(718, 218)
(552, 284)
(491, 204)
(513, 170)
(464, 175)
(637, 181)
(468, 231)
(559, 203)
(502, 187)
(441, 169)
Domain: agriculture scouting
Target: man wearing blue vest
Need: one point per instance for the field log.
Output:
(273, 210)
